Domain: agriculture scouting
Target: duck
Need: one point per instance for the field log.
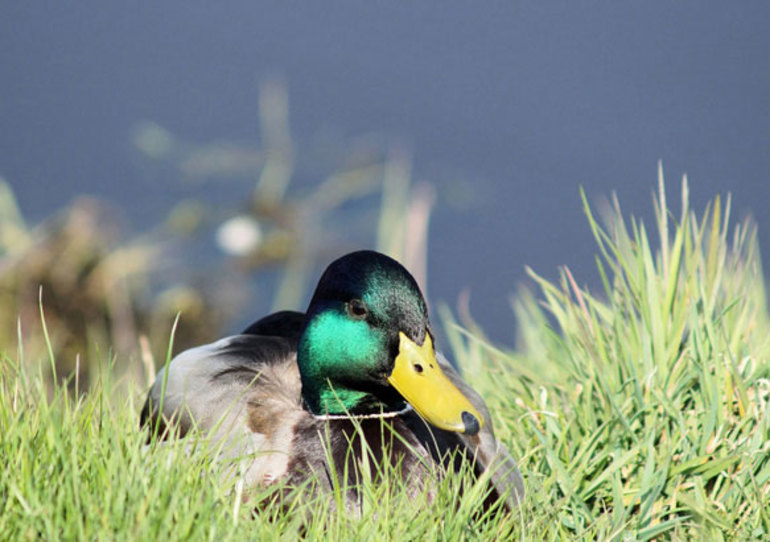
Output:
(354, 382)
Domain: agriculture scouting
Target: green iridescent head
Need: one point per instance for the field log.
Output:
(367, 346)
(347, 348)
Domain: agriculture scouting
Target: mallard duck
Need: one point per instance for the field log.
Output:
(294, 393)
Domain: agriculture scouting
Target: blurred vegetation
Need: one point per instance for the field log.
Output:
(109, 294)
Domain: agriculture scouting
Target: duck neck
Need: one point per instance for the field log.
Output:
(333, 401)
(339, 376)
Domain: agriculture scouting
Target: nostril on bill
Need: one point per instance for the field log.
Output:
(471, 423)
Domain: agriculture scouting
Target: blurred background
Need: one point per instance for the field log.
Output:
(213, 158)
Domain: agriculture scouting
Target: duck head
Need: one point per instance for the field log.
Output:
(367, 347)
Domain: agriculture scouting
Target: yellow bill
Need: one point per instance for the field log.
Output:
(417, 376)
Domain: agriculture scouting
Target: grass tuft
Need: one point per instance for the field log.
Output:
(643, 408)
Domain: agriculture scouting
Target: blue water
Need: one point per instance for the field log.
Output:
(522, 102)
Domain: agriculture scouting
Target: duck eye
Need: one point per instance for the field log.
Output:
(357, 309)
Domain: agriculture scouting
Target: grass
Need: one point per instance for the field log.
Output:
(638, 412)
(643, 411)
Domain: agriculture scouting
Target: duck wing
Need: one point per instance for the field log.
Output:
(243, 392)
(286, 324)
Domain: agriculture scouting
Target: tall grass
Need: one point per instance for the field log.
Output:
(637, 412)
(642, 410)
